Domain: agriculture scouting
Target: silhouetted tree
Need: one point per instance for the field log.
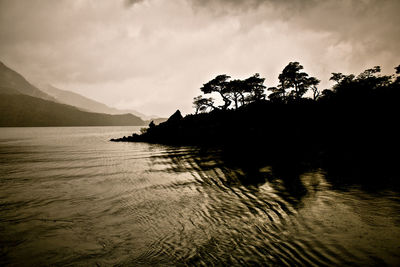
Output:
(366, 85)
(235, 90)
(292, 78)
(254, 86)
(218, 85)
(341, 78)
(327, 95)
(369, 73)
(201, 104)
(397, 80)
(277, 94)
(372, 79)
(337, 77)
(342, 82)
(312, 83)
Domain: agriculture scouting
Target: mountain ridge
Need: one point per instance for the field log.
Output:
(10, 79)
(22, 104)
(85, 103)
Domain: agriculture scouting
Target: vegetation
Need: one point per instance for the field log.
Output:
(296, 93)
(293, 85)
(233, 92)
(349, 132)
(353, 122)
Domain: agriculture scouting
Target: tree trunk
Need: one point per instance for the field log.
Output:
(226, 100)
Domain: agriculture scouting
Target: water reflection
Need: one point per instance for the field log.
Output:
(80, 200)
(215, 167)
(252, 212)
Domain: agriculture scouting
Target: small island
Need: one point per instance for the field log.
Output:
(354, 122)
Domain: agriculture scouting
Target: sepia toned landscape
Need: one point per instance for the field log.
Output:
(199, 133)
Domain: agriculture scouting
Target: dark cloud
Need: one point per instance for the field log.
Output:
(371, 27)
(373, 23)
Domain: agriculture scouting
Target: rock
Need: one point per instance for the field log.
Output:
(177, 116)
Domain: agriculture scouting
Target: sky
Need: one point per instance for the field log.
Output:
(154, 55)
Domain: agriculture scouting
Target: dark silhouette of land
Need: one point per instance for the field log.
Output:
(27, 111)
(353, 124)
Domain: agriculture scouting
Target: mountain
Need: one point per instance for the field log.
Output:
(22, 104)
(84, 103)
(18, 110)
(13, 82)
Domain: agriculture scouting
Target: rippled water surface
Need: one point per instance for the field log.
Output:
(70, 197)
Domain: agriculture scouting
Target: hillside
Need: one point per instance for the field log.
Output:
(84, 103)
(11, 80)
(24, 110)
(22, 104)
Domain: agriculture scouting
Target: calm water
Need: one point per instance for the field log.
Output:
(70, 197)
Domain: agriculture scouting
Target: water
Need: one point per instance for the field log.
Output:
(70, 197)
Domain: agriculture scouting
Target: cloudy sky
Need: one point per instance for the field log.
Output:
(154, 55)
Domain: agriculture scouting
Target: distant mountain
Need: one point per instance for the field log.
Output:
(84, 103)
(18, 110)
(22, 104)
(13, 82)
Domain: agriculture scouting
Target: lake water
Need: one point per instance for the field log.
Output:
(70, 197)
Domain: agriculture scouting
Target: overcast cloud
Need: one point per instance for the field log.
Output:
(154, 55)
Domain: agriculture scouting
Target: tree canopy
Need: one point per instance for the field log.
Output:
(218, 85)
(296, 82)
(293, 86)
(239, 92)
